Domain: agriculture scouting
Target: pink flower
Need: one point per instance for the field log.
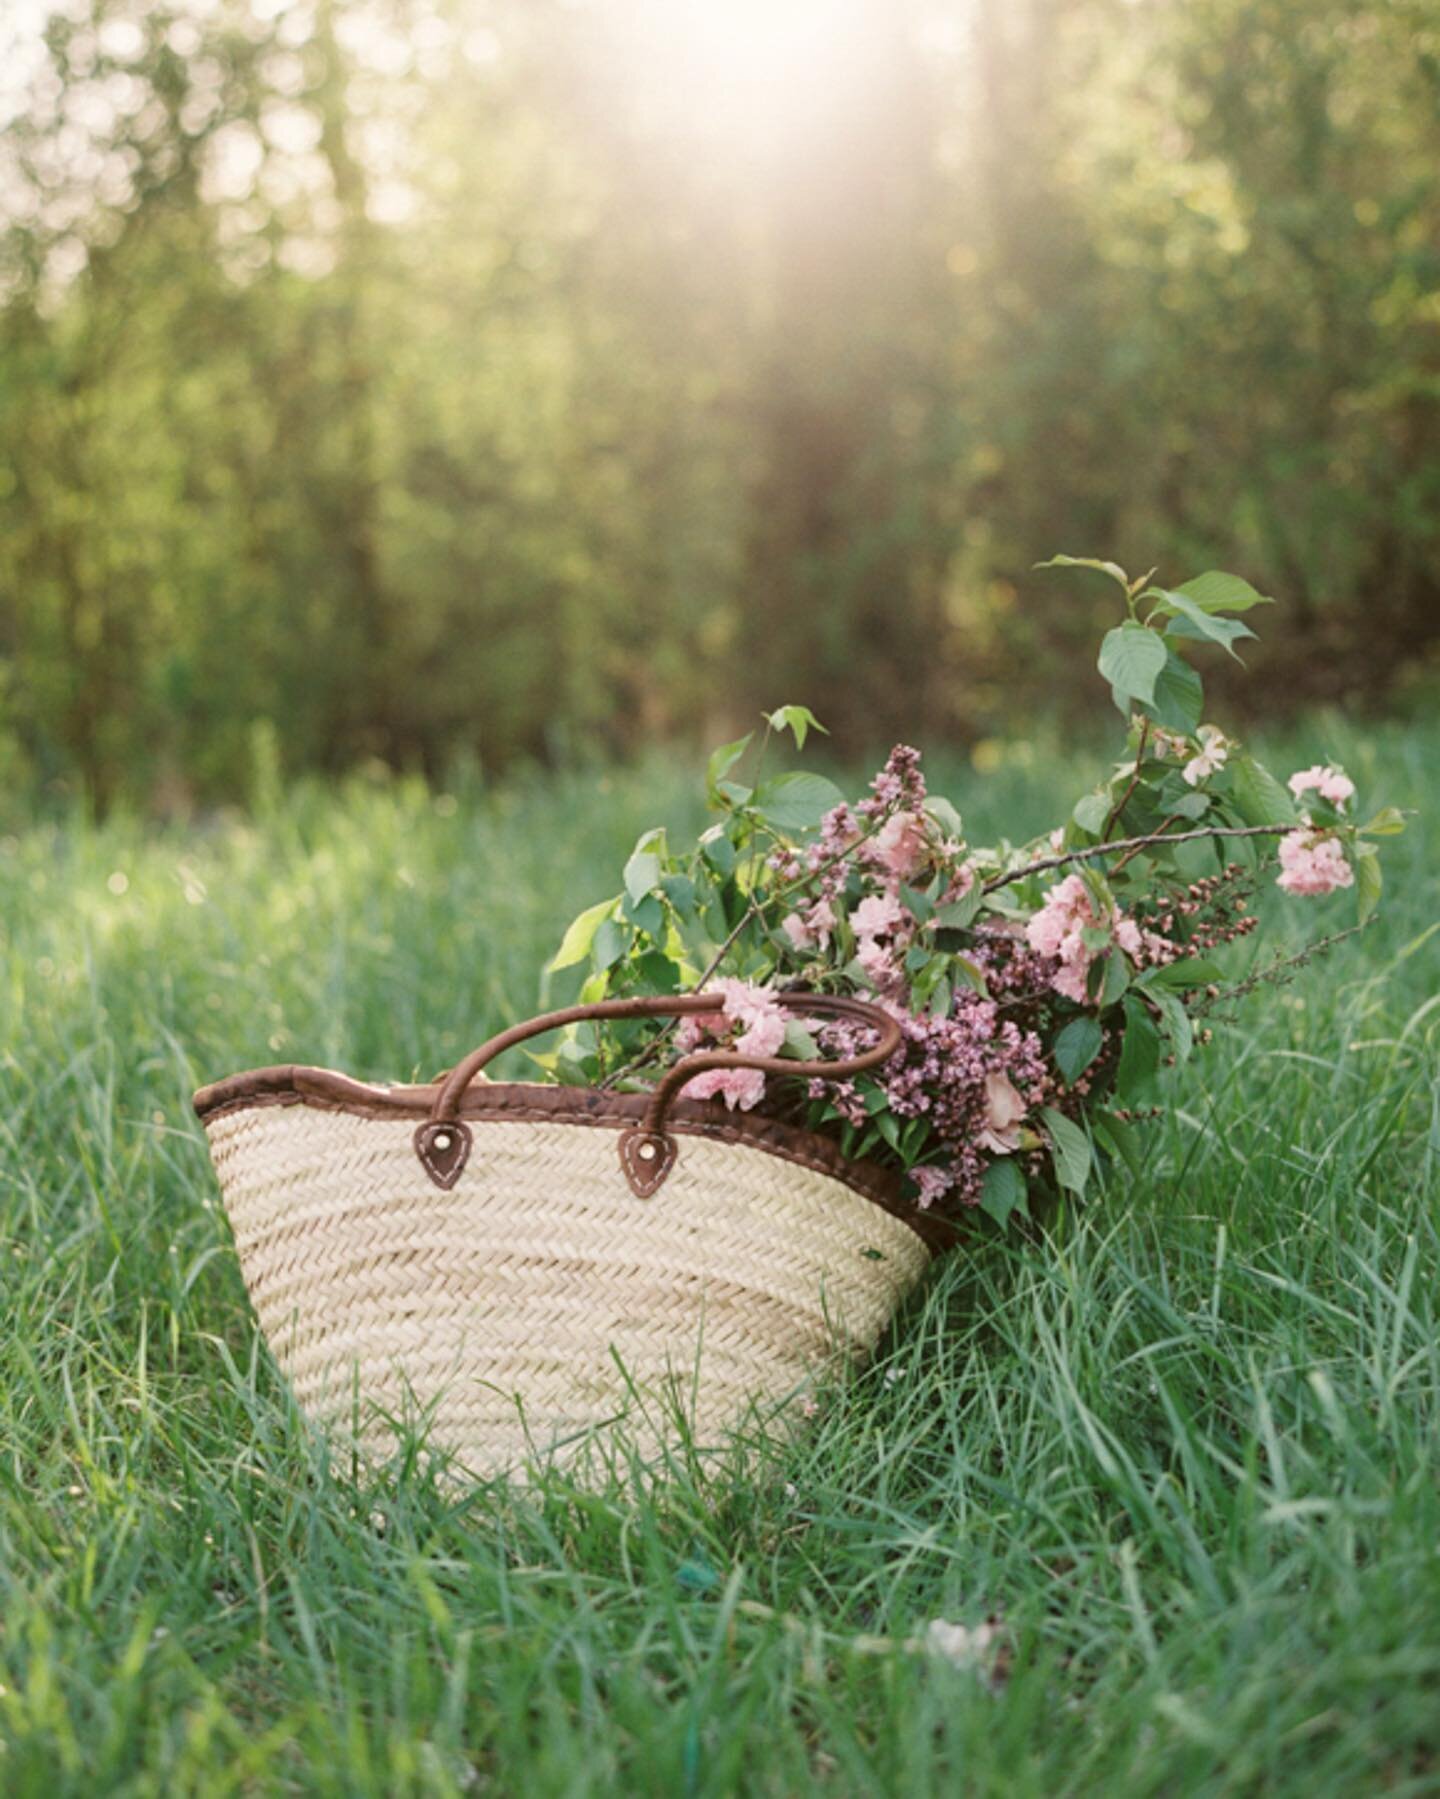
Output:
(934, 1183)
(1213, 751)
(878, 963)
(691, 1032)
(1058, 929)
(899, 845)
(878, 916)
(1127, 935)
(800, 935)
(742, 1087)
(1004, 1108)
(1329, 782)
(809, 930)
(961, 882)
(1312, 864)
(757, 1012)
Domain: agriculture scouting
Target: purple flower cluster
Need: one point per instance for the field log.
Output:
(947, 1073)
(899, 786)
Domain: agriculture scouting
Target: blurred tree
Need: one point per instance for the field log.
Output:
(422, 378)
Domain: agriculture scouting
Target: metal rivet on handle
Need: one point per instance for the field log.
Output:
(646, 1152)
(442, 1139)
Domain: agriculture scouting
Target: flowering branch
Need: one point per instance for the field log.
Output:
(1131, 843)
(756, 910)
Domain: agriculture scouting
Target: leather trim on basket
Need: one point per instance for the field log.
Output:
(324, 1088)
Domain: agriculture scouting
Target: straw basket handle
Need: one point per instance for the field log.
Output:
(647, 1151)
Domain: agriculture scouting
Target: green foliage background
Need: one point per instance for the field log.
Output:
(437, 379)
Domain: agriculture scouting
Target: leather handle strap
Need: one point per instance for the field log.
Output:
(647, 1152)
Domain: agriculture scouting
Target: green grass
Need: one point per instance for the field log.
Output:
(1188, 1445)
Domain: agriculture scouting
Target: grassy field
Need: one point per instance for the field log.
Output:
(1188, 1445)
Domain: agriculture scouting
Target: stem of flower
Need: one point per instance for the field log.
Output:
(1129, 844)
(1124, 799)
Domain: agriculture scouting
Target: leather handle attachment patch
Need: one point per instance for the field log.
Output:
(443, 1146)
(646, 1157)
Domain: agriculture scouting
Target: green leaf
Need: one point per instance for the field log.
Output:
(1091, 811)
(1070, 1147)
(1192, 806)
(1179, 696)
(718, 851)
(1389, 821)
(1131, 658)
(642, 873)
(722, 761)
(575, 945)
(799, 720)
(1113, 569)
(1139, 1051)
(680, 891)
(959, 914)
(800, 1041)
(1368, 880)
(1177, 1022)
(1120, 1135)
(1002, 1190)
(1259, 798)
(658, 974)
(1192, 620)
(970, 974)
(646, 913)
(1116, 978)
(1076, 1047)
(797, 801)
(917, 904)
(1193, 971)
(1217, 592)
(1197, 859)
(945, 816)
(609, 944)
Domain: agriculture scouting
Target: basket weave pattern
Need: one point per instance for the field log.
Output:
(501, 1309)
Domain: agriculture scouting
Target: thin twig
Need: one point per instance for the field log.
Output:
(1124, 799)
(1275, 971)
(1131, 843)
(1130, 855)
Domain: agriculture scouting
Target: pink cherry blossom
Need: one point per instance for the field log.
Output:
(798, 931)
(1127, 935)
(879, 964)
(810, 929)
(738, 1087)
(1058, 930)
(899, 845)
(1329, 782)
(1004, 1108)
(756, 1010)
(879, 916)
(1312, 864)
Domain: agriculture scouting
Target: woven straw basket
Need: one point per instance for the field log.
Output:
(515, 1265)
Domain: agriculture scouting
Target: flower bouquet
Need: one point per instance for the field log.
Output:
(1038, 987)
(805, 1050)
